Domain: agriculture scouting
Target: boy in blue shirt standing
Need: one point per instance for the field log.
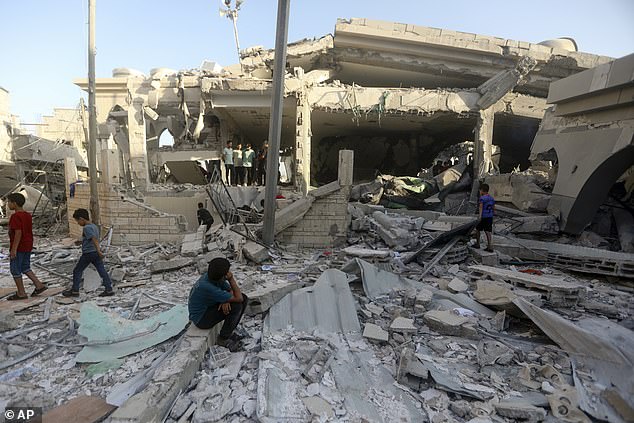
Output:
(90, 254)
(487, 210)
(216, 297)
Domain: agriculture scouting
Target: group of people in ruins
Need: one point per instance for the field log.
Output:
(243, 166)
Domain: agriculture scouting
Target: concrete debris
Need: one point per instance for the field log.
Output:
(375, 333)
(403, 325)
(456, 286)
(520, 410)
(169, 265)
(255, 252)
(448, 323)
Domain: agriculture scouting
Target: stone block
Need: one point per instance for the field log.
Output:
(7, 320)
(173, 264)
(117, 274)
(520, 410)
(264, 297)
(403, 325)
(255, 252)
(457, 285)
(448, 323)
(375, 333)
(485, 257)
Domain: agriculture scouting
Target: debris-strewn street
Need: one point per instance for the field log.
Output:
(388, 223)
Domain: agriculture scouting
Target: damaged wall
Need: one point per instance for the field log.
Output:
(591, 130)
(326, 223)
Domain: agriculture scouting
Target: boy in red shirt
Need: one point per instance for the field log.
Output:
(21, 244)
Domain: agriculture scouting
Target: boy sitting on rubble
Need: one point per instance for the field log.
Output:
(90, 254)
(20, 246)
(486, 212)
(216, 297)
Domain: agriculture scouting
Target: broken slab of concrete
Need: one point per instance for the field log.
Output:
(457, 285)
(529, 225)
(169, 265)
(292, 214)
(569, 257)
(403, 325)
(520, 410)
(365, 252)
(448, 323)
(377, 282)
(193, 244)
(255, 252)
(555, 289)
(485, 257)
(500, 295)
(264, 297)
(375, 333)
(173, 376)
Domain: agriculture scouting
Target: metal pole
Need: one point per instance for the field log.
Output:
(234, 18)
(92, 115)
(275, 125)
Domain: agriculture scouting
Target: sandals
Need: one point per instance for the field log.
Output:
(16, 297)
(38, 291)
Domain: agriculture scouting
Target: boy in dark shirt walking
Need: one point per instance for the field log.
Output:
(216, 297)
(486, 212)
(90, 254)
(20, 247)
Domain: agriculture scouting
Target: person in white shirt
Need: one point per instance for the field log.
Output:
(227, 157)
(237, 164)
(247, 161)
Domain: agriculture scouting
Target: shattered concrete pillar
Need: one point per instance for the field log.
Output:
(483, 144)
(302, 136)
(110, 170)
(70, 170)
(137, 139)
(346, 167)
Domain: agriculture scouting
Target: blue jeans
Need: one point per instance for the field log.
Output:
(20, 264)
(85, 260)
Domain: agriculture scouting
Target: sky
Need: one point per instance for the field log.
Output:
(43, 43)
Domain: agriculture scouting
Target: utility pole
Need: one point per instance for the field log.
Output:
(232, 13)
(275, 124)
(92, 116)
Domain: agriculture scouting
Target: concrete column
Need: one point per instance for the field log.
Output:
(70, 171)
(110, 171)
(303, 142)
(346, 167)
(483, 144)
(138, 145)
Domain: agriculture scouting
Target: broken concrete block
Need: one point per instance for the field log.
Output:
(317, 406)
(485, 257)
(457, 285)
(448, 323)
(535, 224)
(7, 320)
(255, 252)
(264, 297)
(423, 297)
(520, 410)
(375, 309)
(528, 196)
(412, 372)
(374, 332)
(365, 252)
(180, 406)
(167, 265)
(117, 274)
(193, 243)
(403, 325)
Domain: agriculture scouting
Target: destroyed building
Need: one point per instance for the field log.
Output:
(395, 94)
(387, 312)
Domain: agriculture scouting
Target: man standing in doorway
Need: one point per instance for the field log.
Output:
(262, 156)
(237, 164)
(247, 161)
(227, 157)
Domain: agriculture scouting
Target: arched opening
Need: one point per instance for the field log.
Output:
(596, 189)
(166, 139)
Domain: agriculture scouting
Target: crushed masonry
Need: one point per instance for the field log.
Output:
(375, 303)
